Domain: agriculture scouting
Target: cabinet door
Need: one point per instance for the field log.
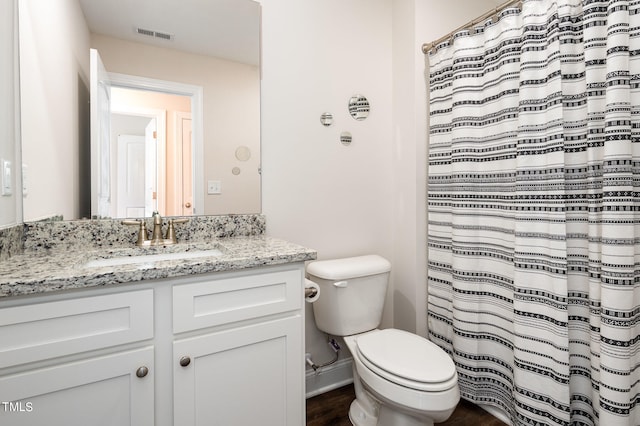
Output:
(250, 375)
(97, 391)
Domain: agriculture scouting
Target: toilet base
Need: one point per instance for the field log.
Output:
(359, 416)
(387, 417)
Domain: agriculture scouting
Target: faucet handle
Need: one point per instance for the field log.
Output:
(142, 231)
(171, 232)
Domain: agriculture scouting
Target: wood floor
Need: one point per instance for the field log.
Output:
(332, 409)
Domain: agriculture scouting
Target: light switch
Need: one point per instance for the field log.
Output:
(214, 187)
(6, 178)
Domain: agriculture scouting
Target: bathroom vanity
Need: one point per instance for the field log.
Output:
(205, 340)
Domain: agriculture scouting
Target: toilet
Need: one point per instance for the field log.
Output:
(400, 378)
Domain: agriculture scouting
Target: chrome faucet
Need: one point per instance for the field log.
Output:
(156, 235)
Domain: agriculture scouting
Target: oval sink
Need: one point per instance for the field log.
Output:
(151, 258)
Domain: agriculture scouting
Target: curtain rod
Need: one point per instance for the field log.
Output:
(426, 47)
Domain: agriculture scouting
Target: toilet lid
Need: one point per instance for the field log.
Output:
(406, 355)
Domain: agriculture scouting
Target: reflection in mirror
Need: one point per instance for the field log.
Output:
(55, 38)
(147, 179)
(10, 198)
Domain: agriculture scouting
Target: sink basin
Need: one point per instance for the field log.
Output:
(151, 258)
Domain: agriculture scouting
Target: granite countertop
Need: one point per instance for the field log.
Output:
(56, 270)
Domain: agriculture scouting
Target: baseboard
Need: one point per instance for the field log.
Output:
(328, 378)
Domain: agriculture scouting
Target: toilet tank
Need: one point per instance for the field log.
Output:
(352, 293)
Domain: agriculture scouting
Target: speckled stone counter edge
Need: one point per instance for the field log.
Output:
(42, 257)
(11, 241)
(94, 234)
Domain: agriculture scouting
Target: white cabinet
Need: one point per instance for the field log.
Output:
(214, 349)
(245, 376)
(43, 381)
(95, 391)
(248, 368)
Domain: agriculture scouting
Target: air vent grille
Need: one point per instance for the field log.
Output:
(164, 35)
(152, 33)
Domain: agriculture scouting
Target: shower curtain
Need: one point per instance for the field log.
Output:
(534, 211)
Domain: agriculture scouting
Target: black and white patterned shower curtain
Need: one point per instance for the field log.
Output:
(534, 211)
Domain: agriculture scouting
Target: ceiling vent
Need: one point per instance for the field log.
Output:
(152, 33)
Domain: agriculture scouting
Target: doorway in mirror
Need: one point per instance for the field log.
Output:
(154, 173)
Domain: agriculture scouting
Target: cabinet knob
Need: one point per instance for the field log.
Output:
(184, 361)
(142, 371)
(187, 205)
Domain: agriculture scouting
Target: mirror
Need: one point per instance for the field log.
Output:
(208, 51)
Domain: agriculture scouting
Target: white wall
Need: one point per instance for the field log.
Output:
(54, 41)
(316, 55)
(10, 206)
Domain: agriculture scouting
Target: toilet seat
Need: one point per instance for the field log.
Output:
(407, 360)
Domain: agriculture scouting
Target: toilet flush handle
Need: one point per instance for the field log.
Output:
(341, 284)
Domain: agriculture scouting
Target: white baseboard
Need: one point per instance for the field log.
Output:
(328, 378)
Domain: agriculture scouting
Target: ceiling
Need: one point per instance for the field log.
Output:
(228, 29)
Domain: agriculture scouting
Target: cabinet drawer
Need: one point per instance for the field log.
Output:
(47, 330)
(220, 301)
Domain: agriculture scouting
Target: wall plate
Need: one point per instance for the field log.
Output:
(7, 184)
(214, 187)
